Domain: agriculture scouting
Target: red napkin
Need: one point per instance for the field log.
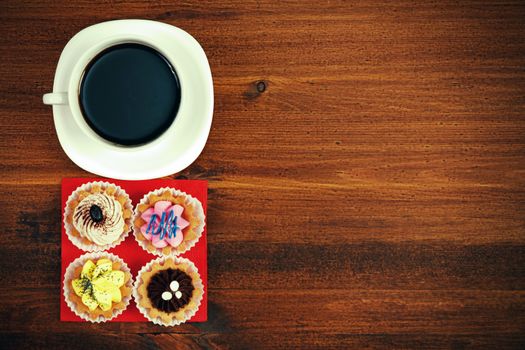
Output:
(129, 250)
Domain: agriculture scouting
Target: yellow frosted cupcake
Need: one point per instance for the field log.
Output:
(97, 216)
(97, 286)
(168, 221)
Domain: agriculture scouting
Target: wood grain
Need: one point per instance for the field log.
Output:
(366, 170)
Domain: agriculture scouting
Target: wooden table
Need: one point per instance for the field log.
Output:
(366, 170)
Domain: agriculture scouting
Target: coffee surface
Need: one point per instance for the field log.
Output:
(130, 94)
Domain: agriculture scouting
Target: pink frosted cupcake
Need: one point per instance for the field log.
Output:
(168, 221)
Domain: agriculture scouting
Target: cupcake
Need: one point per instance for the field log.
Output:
(97, 216)
(168, 221)
(98, 286)
(168, 290)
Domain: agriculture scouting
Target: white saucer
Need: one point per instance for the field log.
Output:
(174, 150)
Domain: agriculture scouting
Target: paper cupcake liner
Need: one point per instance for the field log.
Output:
(68, 276)
(198, 230)
(197, 285)
(93, 247)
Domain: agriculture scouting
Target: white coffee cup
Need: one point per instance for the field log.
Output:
(173, 150)
(71, 96)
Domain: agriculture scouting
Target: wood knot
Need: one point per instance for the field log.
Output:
(261, 86)
(255, 89)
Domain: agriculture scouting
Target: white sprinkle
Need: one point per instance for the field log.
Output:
(178, 294)
(167, 296)
(174, 286)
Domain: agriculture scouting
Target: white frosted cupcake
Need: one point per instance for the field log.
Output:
(98, 286)
(168, 222)
(97, 216)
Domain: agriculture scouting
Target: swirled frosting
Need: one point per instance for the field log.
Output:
(169, 290)
(104, 230)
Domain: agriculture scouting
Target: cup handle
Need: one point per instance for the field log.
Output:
(55, 98)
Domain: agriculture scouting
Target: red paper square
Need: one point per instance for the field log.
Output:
(129, 250)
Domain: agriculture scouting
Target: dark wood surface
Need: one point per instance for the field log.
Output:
(372, 196)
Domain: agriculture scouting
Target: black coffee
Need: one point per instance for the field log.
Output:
(130, 94)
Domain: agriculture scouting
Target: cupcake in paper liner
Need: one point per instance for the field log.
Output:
(98, 286)
(168, 290)
(168, 222)
(97, 216)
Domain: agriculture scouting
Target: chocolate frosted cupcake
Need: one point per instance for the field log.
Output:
(168, 221)
(97, 216)
(98, 286)
(168, 291)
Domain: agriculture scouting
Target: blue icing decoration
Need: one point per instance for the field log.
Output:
(166, 226)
